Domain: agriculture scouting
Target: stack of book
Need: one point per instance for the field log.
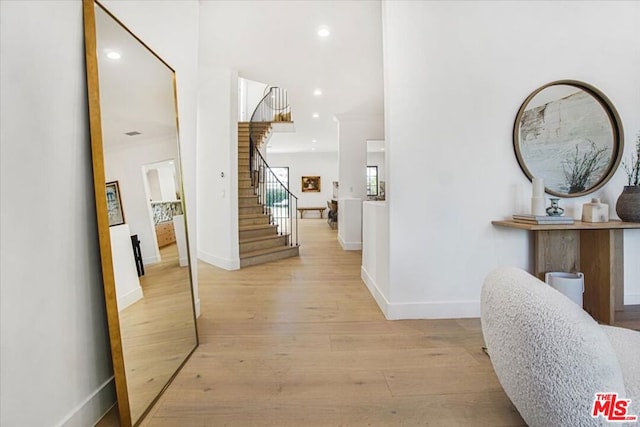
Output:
(542, 219)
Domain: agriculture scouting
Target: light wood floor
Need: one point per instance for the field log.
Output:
(629, 318)
(158, 330)
(301, 342)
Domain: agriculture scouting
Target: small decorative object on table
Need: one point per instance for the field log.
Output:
(628, 205)
(537, 197)
(554, 209)
(542, 219)
(595, 211)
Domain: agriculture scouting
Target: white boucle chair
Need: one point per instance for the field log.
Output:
(550, 356)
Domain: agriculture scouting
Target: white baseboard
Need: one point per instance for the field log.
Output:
(226, 263)
(419, 310)
(150, 260)
(381, 300)
(129, 298)
(197, 305)
(632, 299)
(433, 310)
(93, 408)
(349, 246)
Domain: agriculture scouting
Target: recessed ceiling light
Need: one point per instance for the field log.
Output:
(114, 55)
(315, 115)
(323, 31)
(314, 140)
(317, 92)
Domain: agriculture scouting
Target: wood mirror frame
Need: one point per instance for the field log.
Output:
(569, 134)
(139, 379)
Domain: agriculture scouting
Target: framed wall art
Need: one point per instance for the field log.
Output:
(569, 134)
(114, 204)
(311, 184)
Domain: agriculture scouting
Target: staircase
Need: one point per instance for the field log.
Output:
(265, 234)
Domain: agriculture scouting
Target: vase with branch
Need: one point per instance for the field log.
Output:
(628, 204)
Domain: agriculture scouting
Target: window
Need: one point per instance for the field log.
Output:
(277, 198)
(372, 180)
(282, 173)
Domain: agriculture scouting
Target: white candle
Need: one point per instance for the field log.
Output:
(538, 187)
(537, 206)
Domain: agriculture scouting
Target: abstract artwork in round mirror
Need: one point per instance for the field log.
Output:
(569, 134)
(145, 260)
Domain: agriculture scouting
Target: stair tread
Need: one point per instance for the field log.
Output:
(263, 238)
(267, 251)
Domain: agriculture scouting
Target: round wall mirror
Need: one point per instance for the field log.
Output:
(569, 134)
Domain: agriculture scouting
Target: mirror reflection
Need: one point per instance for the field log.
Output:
(149, 250)
(375, 169)
(567, 133)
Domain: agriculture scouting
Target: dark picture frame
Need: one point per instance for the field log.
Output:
(569, 134)
(310, 184)
(114, 204)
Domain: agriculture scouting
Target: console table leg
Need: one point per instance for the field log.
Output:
(603, 267)
(557, 250)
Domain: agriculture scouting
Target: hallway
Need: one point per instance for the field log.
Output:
(301, 342)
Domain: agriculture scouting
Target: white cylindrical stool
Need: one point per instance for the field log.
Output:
(570, 285)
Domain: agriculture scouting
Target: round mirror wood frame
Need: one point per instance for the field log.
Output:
(139, 380)
(569, 134)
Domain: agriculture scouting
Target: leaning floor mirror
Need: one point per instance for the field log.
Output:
(140, 209)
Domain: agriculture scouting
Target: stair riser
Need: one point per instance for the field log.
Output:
(262, 244)
(248, 201)
(254, 221)
(245, 191)
(248, 210)
(262, 259)
(263, 232)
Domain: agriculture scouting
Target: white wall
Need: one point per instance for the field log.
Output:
(217, 156)
(324, 165)
(54, 341)
(125, 273)
(250, 93)
(455, 76)
(375, 251)
(55, 364)
(124, 164)
(353, 133)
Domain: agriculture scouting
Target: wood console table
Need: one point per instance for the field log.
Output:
(596, 249)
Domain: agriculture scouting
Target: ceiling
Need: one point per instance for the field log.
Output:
(136, 90)
(276, 42)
